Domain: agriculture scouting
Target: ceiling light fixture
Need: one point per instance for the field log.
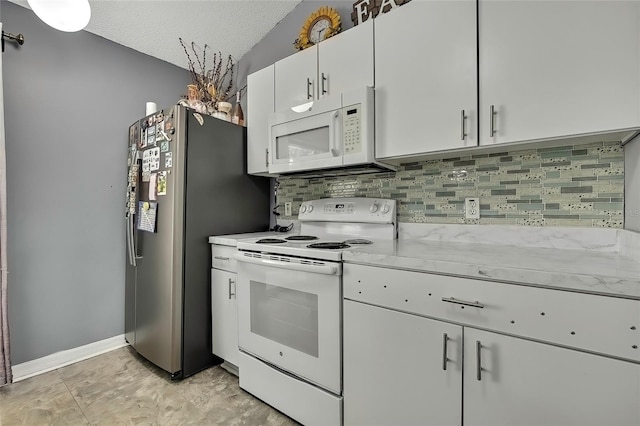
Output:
(303, 107)
(63, 15)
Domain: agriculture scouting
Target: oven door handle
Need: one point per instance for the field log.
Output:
(303, 267)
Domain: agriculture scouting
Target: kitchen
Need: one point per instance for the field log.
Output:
(45, 310)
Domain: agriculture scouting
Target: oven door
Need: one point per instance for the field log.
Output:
(289, 315)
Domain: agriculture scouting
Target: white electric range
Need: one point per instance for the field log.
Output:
(290, 305)
(329, 226)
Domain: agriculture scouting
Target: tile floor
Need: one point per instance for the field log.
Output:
(120, 387)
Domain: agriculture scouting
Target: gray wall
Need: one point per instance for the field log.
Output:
(69, 100)
(632, 185)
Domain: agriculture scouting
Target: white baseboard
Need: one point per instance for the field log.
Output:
(71, 356)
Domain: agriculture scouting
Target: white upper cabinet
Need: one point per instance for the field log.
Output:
(296, 79)
(550, 69)
(260, 104)
(426, 78)
(345, 61)
(340, 63)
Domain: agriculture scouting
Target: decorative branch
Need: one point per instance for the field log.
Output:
(216, 84)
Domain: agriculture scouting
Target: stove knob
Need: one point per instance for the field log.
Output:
(303, 208)
(385, 209)
(373, 208)
(310, 209)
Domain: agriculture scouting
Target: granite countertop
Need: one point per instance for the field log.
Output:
(596, 272)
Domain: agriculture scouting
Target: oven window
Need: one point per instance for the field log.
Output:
(289, 317)
(303, 144)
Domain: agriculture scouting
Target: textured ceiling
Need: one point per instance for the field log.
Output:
(153, 27)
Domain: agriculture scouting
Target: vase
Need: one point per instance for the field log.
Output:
(223, 111)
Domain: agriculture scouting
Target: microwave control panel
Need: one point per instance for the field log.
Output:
(351, 129)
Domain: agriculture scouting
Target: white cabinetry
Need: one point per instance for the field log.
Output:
(550, 69)
(491, 378)
(260, 104)
(296, 79)
(426, 78)
(224, 309)
(342, 62)
(394, 368)
(528, 383)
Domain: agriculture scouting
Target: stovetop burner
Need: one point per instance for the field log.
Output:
(301, 238)
(271, 241)
(328, 246)
(358, 241)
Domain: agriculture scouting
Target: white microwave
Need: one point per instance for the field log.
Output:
(330, 134)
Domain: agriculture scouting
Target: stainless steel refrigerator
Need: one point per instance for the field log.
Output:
(187, 180)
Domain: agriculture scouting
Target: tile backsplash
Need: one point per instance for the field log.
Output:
(580, 185)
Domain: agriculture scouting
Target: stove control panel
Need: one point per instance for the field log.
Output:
(365, 210)
(339, 208)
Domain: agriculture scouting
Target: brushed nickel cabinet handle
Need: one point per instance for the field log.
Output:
(444, 351)
(266, 157)
(323, 80)
(463, 117)
(221, 258)
(230, 292)
(492, 113)
(309, 86)
(478, 361)
(455, 301)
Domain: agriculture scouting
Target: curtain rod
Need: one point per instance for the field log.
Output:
(19, 38)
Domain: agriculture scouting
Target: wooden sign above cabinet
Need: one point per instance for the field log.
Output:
(365, 9)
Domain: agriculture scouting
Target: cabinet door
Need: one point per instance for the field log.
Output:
(260, 101)
(557, 68)
(345, 61)
(528, 383)
(426, 76)
(224, 315)
(393, 368)
(296, 78)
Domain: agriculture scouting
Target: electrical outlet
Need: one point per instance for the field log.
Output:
(472, 208)
(287, 209)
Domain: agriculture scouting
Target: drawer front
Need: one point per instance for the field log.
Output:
(595, 323)
(222, 257)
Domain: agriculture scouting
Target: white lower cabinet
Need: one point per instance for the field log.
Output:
(394, 368)
(420, 349)
(520, 382)
(224, 315)
(224, 308)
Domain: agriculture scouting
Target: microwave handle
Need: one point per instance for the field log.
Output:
(337, 133)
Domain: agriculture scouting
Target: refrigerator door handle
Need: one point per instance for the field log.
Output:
(129, 250)
(134, 239)
(128, 243)
(131, 242)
